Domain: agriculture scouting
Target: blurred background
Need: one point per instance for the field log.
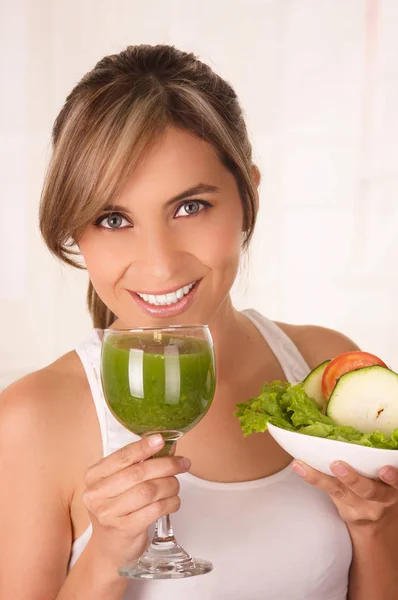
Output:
(318, 81)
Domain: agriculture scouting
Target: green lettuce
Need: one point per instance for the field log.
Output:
(288, 406)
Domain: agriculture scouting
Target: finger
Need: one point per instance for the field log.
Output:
(389, 475)
(329, 484)
(124, 457)
(133, 500)
(365, 488)
(142, 519)
(129, 477)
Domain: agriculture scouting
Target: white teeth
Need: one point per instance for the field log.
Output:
(171, 298)
(166, 299)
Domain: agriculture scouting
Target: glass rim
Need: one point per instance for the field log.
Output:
(148, 328)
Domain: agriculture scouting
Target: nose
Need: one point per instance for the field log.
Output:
(160, 255)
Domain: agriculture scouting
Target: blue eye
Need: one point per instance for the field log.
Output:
(191, 208)
(113, 221)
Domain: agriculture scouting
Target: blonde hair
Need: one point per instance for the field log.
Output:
(112, 116)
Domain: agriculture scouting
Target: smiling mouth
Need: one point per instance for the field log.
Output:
(169, 298)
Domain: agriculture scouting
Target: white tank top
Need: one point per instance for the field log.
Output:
(275, 538)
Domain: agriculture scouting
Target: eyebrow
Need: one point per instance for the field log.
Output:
(200, 188)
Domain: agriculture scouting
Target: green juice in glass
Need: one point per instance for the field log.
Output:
(161, 383)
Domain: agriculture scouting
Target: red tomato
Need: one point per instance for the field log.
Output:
(349, 361)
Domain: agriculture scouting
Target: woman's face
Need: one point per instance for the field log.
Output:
(169, 251)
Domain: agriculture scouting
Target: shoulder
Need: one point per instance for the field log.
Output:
(45, 413)
(318, 344)
(43, 392)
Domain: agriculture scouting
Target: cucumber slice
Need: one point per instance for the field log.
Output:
(366, 399)
(312, 385)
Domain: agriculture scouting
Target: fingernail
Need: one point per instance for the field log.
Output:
(388, 473)
(339, 469)
(155, 440)
(299, 469)
(185, 463)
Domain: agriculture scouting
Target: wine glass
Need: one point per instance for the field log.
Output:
(159, 380)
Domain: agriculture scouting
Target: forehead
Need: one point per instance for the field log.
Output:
(177, 161)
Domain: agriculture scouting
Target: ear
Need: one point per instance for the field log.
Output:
(256, 175)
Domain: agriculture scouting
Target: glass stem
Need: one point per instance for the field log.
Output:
(164, 531)
(166, 450)
(164, 552)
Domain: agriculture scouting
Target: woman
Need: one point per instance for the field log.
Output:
(152, 181)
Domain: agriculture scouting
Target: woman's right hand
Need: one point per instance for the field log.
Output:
(125, 494)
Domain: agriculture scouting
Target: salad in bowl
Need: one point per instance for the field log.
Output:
(346, 409)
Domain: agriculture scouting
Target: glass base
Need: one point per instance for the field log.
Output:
(169, 562)
(138, 571)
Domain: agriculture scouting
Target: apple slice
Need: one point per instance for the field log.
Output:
(366, 399)
(344, 363)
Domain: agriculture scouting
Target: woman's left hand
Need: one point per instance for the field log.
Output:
(359, 500)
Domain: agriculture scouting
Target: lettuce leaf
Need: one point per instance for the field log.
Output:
(288, 406)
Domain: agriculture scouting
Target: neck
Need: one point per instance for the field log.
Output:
(229, 329)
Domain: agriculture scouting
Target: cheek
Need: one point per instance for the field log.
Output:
(219, 243)
(104, 261)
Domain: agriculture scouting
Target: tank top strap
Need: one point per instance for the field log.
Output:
(113, 434)
(89, 352)
(286, 352)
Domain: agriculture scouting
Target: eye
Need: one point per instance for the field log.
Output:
(113, 221)
(191, 208)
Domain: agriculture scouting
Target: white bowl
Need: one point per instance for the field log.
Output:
(319, 453)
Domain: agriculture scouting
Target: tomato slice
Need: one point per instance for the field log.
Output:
(344, 363)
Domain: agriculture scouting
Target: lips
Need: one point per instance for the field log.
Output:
(166, 310)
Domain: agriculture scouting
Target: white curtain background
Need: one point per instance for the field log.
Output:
(318, 80)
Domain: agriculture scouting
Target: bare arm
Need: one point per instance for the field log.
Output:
(35, 523)
(90, 579)
(373, 572)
